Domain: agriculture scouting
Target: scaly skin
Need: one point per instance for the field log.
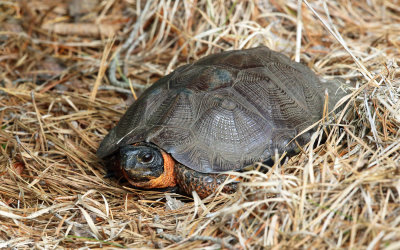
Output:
(204, 184)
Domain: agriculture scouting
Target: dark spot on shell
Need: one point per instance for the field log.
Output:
(223, 75)
(219, 78)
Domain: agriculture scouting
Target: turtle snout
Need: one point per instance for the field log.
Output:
(128, 158)
(131, 166)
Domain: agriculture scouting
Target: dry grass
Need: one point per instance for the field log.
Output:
(56, 104)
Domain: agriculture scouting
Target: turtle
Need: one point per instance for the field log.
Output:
(220, 113)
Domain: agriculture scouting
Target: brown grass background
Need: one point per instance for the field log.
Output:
(69, 70)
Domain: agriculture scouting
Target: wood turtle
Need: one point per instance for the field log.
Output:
(220, 113)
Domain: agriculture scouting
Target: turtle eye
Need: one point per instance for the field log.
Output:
(147, 158)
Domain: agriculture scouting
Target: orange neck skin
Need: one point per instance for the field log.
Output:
(166, 179)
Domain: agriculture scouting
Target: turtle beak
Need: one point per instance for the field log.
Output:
(128, 157)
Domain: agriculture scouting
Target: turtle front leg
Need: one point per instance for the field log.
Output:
(204, 184)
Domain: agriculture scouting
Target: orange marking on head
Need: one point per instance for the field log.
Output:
(166, 179)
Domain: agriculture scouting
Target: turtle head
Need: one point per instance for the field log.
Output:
(147, 166)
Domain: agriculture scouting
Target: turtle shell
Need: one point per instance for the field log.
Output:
(226, 110)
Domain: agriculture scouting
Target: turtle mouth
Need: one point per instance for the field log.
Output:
(138, 176)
